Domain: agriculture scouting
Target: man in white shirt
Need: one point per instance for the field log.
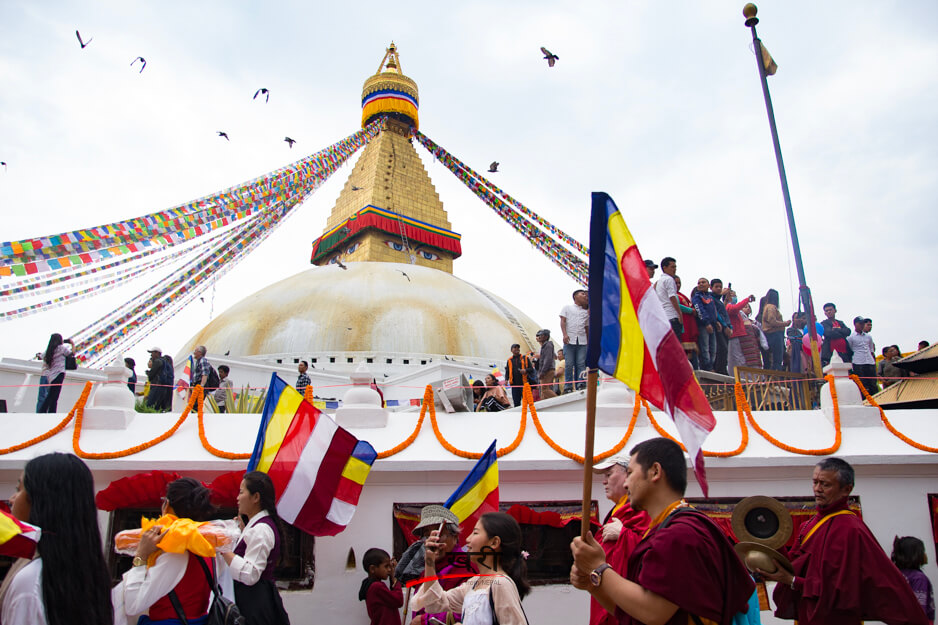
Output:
(574, 319)
(666, 289)
(864, 353)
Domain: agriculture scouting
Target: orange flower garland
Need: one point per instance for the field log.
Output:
(889, 426)
(427, 400)
(308, 393)
(61, 426)
(208, 447)
(80, 410)
(743, 431)
(475, 456)
(795, 450)
(576, 457)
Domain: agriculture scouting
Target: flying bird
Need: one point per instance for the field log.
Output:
(143, 62)
(354, 188)
(223, 134)
(290, 141)
(4, 165)
(228, 352)
(83, 43)
(493, 168)
(264, 91)
(339, 263)
(405, 275)
(550, 56)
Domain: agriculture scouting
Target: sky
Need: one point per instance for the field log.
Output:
(658, 105)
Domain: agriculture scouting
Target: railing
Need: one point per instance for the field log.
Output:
(718, 389)
(778, 390)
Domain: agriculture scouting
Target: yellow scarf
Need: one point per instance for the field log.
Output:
(181, 535)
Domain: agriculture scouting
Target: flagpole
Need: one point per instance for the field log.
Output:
(804, 293)
(592, 380)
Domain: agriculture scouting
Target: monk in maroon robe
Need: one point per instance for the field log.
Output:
(621, 531)
(684, 566)
(842, 575)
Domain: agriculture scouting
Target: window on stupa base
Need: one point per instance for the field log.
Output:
(547, 529)
(369, 360)
(296, 570)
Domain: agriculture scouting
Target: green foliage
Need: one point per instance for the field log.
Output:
(141, 406)
(244, 403)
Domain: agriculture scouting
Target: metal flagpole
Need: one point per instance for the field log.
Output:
(749, 12)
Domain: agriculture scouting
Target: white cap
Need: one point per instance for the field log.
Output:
(155, 349)
(621, 459)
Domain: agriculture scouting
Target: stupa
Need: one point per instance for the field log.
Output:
(383, 282)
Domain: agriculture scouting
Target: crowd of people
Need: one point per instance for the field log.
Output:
(67, 582)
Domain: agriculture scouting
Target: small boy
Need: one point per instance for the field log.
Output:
(864, 359)
(224, 384)
(383, 603)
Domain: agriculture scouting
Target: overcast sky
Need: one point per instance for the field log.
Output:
(658, 104)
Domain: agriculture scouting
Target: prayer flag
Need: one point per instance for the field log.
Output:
(17, 539)
(630, 337)
(318, 469)
(477, 494)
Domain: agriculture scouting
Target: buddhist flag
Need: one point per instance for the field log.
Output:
(630, 337)
(17, 539)
(318, 469)
(477, 494)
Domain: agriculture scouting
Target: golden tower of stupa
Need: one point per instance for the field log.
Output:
(389, 210)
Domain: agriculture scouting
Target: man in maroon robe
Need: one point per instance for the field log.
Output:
(684, 567)
(842, 575)
(622, 528)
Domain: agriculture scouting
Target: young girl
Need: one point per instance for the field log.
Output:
(908, 553)
(256, 555)
(381, 602)
(492, 597)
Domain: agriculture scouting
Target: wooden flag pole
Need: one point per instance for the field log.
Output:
(592, 378)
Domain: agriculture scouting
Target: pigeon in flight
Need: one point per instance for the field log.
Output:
(223, 134)
(339, 263)
(4, 165)
(143, 62)
(493, 168)
(290, 141)
(264, 91)
(228, 352)
(354, 188)
(405, 275)
(83, 43)
(550, 56)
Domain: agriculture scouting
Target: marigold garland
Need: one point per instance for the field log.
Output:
(795, 450)
(208, 447)
(526, 399)
(76, 435)
(61, 426)
(308, 393)
(889, 426)
(743, 430)
(576, 457)
(427, 401)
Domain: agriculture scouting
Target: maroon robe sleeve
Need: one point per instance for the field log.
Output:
(634, 524)
(845, 577)
(692, 563)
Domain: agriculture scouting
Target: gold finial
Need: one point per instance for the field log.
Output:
(749, 12)
(391, 61)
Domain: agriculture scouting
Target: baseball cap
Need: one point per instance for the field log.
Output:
(621, 459)
(543, 332)
(651, 264)
(862, 319)
(155, 349)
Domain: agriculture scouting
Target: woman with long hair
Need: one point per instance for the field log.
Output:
(495, 545)
(494, 399)
(146, 586)
(773, 325)
(256, 555)
(68, 582)
(54, 366)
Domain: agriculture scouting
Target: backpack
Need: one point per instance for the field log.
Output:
(167, 374)
(213, 380)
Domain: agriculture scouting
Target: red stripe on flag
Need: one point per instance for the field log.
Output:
(349, 491)
(293, 443)
(636, 276)
(651, 388)
(330, 470)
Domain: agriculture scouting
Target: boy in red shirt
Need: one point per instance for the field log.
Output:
(383, 603)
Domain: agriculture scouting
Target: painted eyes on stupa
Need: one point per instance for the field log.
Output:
(352, 248)
(428, 255)
(397, 246)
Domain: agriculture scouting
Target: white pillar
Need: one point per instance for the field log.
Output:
(614, 405)
(111, 407)
(853, 412)
(361, 406)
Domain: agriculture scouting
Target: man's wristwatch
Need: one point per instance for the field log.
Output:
(596, 577)
(138, 561)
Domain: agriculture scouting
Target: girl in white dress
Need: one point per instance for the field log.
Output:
(494, 596)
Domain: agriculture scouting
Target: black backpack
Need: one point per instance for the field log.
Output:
(213, 381)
